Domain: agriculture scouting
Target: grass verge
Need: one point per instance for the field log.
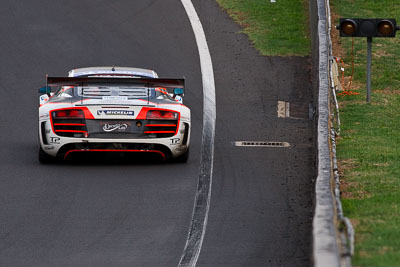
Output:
(276, 29)
(369, 146)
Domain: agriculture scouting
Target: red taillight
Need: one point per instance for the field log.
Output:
(169, 115)
(155, 114)
(76, 113)
(70, 122)
(161, 114)
(69, 113)
(62, 113)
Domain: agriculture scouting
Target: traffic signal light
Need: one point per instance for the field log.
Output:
(350, 27)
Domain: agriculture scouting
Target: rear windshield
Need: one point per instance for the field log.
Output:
(112, 91)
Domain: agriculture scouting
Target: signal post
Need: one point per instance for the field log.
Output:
(352, 27)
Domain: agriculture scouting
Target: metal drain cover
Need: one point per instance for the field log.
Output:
(261, 144)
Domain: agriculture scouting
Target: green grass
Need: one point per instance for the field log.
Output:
(276, 29)
(369, 146)
(369, 153)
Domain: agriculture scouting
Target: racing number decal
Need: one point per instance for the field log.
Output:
(54, 140)
(175, 141)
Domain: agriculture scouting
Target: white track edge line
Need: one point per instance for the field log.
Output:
(201, 207)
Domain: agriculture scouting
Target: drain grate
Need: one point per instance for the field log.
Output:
(261, 144)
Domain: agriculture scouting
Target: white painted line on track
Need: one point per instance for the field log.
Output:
(283, 109)
(201, 207)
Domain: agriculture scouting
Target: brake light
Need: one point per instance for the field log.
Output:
(155, 114)
(169, 115)
(60, 114)
(76, 113)
(162, 114)
(68, 113)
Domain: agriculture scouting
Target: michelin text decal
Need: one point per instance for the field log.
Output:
(115, 112)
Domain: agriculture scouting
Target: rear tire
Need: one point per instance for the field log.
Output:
(45, 158)
(183, 158)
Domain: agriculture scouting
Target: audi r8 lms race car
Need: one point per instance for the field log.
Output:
(113, 109)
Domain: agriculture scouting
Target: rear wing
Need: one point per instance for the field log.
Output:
(177, 84)
(146, 82)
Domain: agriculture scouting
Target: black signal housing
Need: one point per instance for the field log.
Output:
(357, 27)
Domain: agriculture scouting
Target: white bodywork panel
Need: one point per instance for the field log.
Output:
(97, 111)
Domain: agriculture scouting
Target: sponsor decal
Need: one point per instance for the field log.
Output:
(180, 148)
(48, 131)
(48, 147)
(43, 99)
(111, 73)
(117, 127)
(54, 140)
(175, 141)
(45, 115)
(116, 112)
(115, 97)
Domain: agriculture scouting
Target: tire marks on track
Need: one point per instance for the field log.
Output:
(201, 207)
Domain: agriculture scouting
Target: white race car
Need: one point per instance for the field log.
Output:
(113, 109)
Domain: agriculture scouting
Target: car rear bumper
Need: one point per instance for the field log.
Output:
(62, 147)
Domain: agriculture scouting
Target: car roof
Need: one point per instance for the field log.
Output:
(110, 70)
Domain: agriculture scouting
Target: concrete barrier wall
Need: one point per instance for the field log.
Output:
(325, 242)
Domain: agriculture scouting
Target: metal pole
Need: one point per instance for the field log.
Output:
(369, 56)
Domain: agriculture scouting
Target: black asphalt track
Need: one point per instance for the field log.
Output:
(261, 205)
(104, 214)
(118, 214)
